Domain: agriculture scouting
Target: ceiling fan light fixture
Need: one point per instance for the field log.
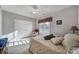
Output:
(35, 9)
(35, 12)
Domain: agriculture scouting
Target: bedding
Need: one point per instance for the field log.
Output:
(58, 45)
(57, 40)
(71, 42)
(40, 46)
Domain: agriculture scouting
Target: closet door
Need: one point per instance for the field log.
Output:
(23, 28)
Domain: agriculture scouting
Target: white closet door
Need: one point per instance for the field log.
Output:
(23, 28)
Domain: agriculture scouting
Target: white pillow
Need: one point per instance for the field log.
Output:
(39, 37)
(57, 40)
(70, 42)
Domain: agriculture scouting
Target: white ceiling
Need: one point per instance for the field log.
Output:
(26, 10)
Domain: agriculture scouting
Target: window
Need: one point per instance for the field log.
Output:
(44, 28)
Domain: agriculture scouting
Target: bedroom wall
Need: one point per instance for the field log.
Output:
(68, 17)
(78, 15)
(8, 21)
(0, 21)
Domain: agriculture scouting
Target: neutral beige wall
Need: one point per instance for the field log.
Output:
(0, 21)
(8, 21)
(78, 16)
(68, 17)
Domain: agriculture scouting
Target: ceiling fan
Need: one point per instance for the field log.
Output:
(35, 9)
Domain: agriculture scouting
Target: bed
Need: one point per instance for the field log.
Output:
(41, 46)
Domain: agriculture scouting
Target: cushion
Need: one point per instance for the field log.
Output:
(57, 40)
(38, 37)
(48, 37)
(70, 42)
(3, 42)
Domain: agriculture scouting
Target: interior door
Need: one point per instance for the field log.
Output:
(23, 28)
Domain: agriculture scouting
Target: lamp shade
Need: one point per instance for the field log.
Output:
(36, 30)
(74, 28)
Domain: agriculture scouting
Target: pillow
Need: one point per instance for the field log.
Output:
(70, 42)
(39, 37)
(57, 40)
(48, 37)
(3, 42)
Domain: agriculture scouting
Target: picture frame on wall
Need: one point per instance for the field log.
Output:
(59, 22)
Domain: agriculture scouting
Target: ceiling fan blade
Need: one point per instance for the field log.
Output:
(35, 7)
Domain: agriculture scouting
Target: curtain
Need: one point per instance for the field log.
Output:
(49, 19)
